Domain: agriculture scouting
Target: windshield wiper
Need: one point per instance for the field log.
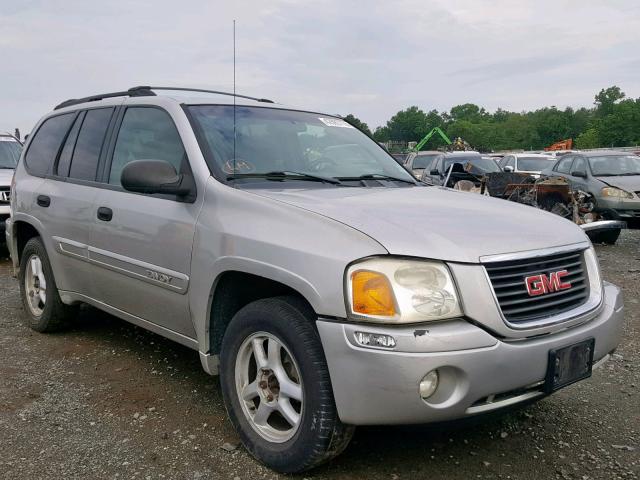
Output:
(287, 175)
(378, 176)
(2, 167)
(628, 174)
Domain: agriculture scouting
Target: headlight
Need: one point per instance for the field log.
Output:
(392, 290)
(616, 192)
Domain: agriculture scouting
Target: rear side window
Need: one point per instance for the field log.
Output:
(64, 162)
(86, 154)
(44, 146)
(146, 134)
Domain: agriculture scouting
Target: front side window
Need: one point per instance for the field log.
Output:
(9, 153)
(474, 163)
(422, 161)
(579, 165)
(564, 165)
(146, 134)
(615, 165)
(44, 146)
(86, 153)
(270, 140)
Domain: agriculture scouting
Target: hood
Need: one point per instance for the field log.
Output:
(5, 177)
(431, 222)
(630, 183)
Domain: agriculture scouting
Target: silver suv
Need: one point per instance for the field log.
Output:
(325, 285)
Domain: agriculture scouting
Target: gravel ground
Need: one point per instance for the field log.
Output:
(109, 400)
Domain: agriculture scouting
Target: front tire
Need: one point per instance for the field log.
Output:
(45, 311)
(276, 387)
(608, 237)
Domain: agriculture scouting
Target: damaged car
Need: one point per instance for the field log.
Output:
(612, 178)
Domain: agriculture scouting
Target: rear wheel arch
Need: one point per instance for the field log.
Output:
(233, 289)
(23, 232)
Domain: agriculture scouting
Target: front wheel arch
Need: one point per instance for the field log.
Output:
(232, 290)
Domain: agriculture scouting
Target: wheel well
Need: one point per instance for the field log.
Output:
(233, 291)
(24, 232)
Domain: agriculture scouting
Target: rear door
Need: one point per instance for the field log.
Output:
(64, 201)
(142, 247)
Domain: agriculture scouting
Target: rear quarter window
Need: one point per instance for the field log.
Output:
(45, 144)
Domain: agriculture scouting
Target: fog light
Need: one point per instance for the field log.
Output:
(374, 340)
(429, 384)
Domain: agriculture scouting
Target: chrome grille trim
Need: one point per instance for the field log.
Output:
(592, 281)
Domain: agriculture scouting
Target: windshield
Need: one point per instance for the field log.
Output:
(9, 153)
(534, 164)
(611, 165)
(422, 161)
(478, 164)
(271, 140)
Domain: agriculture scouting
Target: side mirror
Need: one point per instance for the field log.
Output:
(434, 172)
(508, 169)
(579, 173)
(154, 176)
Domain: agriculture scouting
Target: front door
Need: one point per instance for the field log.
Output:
(141, 244)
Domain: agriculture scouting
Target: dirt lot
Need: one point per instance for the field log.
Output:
(109, 400)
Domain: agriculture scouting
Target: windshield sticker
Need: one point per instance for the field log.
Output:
(335, 122)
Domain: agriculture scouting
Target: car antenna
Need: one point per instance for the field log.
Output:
(234, 97)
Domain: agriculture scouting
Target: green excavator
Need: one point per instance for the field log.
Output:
(457, 144)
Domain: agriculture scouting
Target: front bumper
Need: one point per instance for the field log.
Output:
(376, 386)
(617, 209)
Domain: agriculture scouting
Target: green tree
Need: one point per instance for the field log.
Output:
(620, 128)
(381, 134)
(606, 99)
(408, 125)
(469, 112)
(356, 122)
(588, 139)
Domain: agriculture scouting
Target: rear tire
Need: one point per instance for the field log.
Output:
(45, 311)
(271, 347)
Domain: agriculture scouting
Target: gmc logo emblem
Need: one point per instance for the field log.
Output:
(541, 284)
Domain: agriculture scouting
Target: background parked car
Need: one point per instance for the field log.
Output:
(10, 150)
(401, 158)
(476, 164)
(612, 177)
(417, 162)
(529, 163)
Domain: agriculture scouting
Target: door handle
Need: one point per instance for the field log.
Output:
(105, 214)
(44, 200)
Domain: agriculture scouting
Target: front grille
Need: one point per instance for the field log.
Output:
(5, 196)
(508, 282)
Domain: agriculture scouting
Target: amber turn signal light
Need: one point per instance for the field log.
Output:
(371, 294)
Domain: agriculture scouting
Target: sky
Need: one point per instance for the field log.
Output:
(369, 58)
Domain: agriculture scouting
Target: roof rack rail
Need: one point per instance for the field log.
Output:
(184, 89)
(146, 91)
(132, 92)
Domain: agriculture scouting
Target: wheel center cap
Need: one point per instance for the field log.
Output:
(268, 385)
